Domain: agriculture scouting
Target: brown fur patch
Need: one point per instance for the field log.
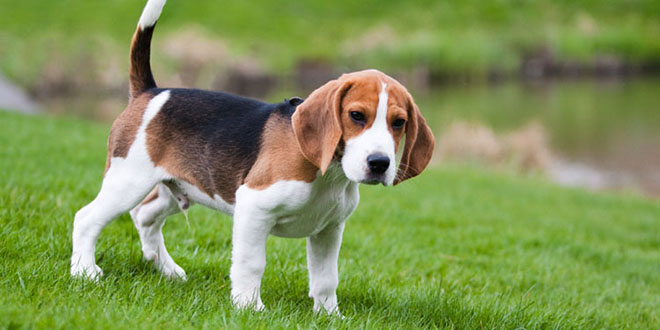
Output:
(397, 104)
(124, 128)
(420, 142)
(280, 157)
(168, 149)
(178, 165)
(316, 123)
(362, 97)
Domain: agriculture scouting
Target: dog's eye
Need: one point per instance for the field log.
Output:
(357, 116)
(397, 124)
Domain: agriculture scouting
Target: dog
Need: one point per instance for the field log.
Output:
(289, 169)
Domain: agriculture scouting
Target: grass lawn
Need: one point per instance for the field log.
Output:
(455, 248)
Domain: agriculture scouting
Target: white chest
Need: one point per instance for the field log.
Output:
(301, 209)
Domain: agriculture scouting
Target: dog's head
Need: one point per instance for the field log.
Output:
(362, 117)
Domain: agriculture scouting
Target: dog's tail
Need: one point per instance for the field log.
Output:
(141, 78)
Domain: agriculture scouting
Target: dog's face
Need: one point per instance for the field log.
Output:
(362, 117)
(373, 121)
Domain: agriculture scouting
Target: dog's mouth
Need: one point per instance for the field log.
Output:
(375, 181)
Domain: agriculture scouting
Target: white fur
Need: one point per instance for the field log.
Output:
(315, 210)
(375, 139)
(150, 13)
(150, 112)
(126, 183)
(149, 220)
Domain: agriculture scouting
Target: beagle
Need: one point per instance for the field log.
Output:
(289, 169)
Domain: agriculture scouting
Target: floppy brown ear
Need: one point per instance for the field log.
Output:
(419, 145)
(317, 125)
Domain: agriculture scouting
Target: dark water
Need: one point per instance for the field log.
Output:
(611, 126)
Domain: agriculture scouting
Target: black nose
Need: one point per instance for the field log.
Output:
(378, 163)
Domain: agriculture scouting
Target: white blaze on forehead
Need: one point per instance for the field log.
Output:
(381, 112)
(373, 140)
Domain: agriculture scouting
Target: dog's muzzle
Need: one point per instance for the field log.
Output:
(378, 164)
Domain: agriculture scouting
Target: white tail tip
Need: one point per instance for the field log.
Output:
(151, 13)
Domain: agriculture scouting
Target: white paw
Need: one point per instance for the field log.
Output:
(332, 312)
(164, 264)
(172, 271)
(150, 255)
(248, 302)
(88, 271)
(327, 305)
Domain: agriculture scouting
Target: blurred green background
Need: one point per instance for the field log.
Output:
(449, 38)
(563, 88)
(518, 93)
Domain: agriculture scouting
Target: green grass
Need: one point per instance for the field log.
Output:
(455, 248)
(457, 37)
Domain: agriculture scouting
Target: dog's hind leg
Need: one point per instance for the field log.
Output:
(127, 181)
(149, 218)
(124, 186)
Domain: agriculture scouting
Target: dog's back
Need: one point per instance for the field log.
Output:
(216, 130)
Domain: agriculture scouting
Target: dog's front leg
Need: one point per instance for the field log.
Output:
(322, 254)
(251, 228)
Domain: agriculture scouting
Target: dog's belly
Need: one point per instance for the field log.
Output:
(195, 195)
(298, 209)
